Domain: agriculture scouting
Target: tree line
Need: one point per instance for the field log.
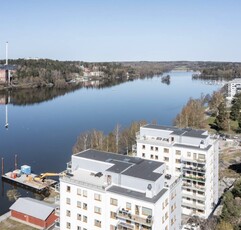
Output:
(120, 140)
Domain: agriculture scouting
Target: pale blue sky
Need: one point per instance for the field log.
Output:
(122, 30)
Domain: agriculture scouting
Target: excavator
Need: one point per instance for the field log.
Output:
(43, 176)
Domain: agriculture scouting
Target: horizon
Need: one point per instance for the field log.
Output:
(93, 31)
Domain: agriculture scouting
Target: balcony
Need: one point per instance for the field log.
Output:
(193, 205)
(194, 196)
(195, 178)
(124, 226)
(198, 160)
(194, 169)
(193, 186)
(124, 214)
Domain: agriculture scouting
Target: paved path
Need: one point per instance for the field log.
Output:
(5, 216)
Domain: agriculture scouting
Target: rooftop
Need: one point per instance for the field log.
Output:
(135, 194)
(125, 165)
(197, 133)
(33, 207)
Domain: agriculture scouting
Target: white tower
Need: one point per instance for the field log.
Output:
(6, 53)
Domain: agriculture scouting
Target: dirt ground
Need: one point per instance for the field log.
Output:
(10, 224)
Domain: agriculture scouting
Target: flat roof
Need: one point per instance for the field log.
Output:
(32, 207)
(197, 133)
(192, 147)
(125, 165)
(135, 194)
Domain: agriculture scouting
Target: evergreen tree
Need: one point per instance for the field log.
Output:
(236, 106)
(222, 119)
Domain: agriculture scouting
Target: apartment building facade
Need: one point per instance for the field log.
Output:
(233, 87)
(103, 190)
(191, 154)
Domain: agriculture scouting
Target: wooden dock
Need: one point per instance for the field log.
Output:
(28, 182)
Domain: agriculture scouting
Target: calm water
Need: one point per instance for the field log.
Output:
(42, 135)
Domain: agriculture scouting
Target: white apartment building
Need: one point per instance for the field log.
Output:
(233, 87)
(193, 154)
(109, 191)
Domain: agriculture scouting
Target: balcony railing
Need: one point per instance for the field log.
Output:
(192, 186)
(196, 178)
(124, 214)
(193, 205)
(124, 226)
(82, 183)
(194, 196)
(197, 160)
(194, 169)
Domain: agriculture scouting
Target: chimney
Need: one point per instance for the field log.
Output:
(6, 53)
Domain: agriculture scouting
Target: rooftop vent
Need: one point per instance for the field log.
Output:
(99, 174)
(168, 176)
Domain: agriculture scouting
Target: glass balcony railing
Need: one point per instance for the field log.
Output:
(127, 215)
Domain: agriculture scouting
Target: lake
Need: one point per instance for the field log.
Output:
(43, 134)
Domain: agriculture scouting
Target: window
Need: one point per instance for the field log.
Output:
(143, 155)
(166, 159)
(68, 225)
(84, 193)
(163, 205)
(163, 219)
(178, 152)
(178, 169)
(85, 219)
(113, 201)
(143, 147)
(166, 202)
(152, 148)
(166, 150)
(178, 161)
(97, 197)
(113, 215)
(188, 154)
(156, 157)
(201, 157)
(146, 211)
(156, 148)
(79, 191)
(84, 206)
(78, 204)
(152, 156)
(97, 210)
(68, 213)
(98, 223)
(166, 215)
(68, 189)
(67, 200)
(78, 228)
(78, 216)
(128, 206)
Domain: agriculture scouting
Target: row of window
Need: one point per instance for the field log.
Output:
(152, 148)
(178, 152)
(84, 193)
(97, 223)
(166, 159)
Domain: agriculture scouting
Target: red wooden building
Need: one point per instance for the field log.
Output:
(34, 212)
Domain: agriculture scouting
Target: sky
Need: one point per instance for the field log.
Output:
(122, 30)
